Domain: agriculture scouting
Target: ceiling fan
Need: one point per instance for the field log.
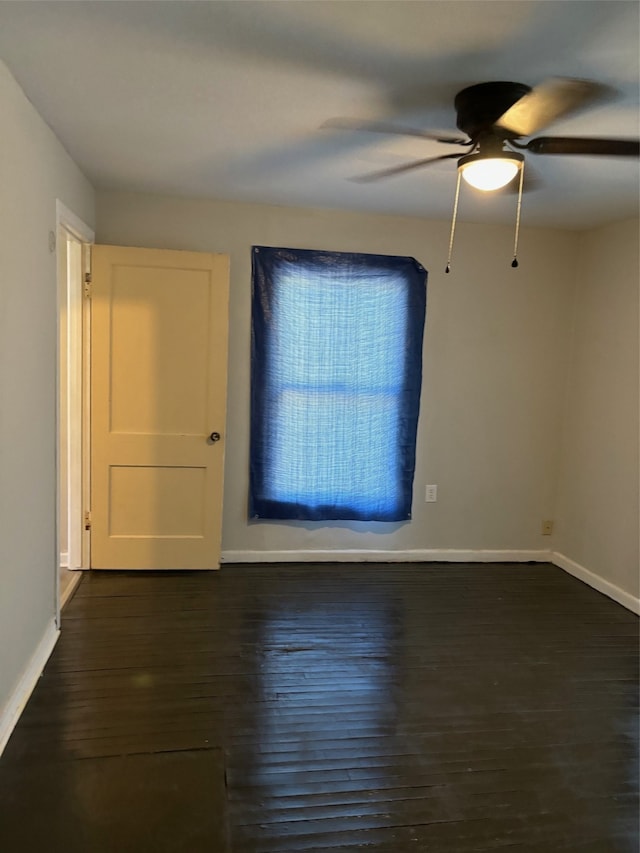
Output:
(495, 117)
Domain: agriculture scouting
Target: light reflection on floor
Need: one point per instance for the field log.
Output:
(326, 675)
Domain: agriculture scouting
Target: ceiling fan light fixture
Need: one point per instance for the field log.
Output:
(491, 172)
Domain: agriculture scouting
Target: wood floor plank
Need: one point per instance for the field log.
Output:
(126, 803)
(387, 708)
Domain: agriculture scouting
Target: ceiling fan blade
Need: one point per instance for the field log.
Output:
(383, 127)
(583, 145)
(550, 101)
(398, 170)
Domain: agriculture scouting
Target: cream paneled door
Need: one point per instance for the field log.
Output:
(159, 324)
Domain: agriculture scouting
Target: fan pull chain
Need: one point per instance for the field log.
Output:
(453, 223)
(514, 262)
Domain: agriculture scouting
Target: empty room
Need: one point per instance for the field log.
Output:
(319, 426)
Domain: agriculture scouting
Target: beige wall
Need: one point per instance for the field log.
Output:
(597, 508)
(495, 350)
(34, 171)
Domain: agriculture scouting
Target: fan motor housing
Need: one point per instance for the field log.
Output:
(479, 107)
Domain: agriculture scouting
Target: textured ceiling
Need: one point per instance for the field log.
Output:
(226, 99)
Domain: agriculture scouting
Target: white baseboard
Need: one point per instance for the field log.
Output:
(591, 579)
(64, 559)
(444, 555)
(24, 688)
(75, 576)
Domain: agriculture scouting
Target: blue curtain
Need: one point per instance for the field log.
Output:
(336, 373)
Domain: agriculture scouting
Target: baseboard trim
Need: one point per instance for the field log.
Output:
(70, 587)
(444, 555)
(24, 688)
(64, 559)
(596, 582)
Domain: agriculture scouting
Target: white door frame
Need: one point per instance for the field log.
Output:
(74, 342)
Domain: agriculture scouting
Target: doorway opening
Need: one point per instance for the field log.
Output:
(73, 240)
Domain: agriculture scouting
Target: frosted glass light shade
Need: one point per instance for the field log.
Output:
(489, 173)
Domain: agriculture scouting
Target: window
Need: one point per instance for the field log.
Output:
(335, 385)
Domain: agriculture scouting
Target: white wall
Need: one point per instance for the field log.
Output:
(597, 510)
(34, 171)
(495, 351)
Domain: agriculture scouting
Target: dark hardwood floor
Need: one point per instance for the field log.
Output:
(272, 709)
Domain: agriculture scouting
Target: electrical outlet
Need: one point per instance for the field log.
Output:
(547, 528)
(431, 494)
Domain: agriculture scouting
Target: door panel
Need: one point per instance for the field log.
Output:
(159, 366)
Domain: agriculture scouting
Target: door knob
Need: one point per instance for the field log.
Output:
(215, 436)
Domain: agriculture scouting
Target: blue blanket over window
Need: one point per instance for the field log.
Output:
(336, 373)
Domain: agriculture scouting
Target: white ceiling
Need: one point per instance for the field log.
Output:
(226, 99)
